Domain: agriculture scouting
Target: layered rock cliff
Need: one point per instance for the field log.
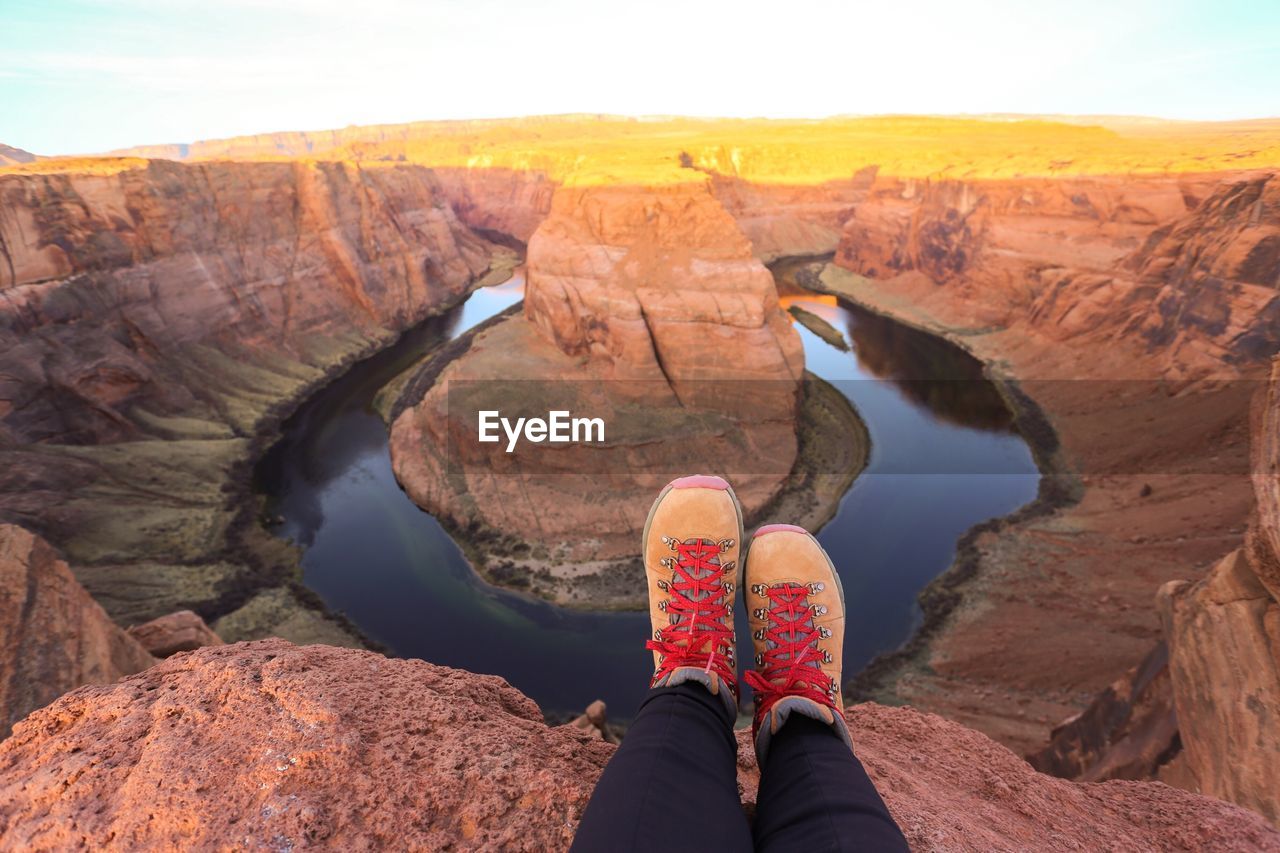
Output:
(53, 636)
(1059, 286)
(1224, 642)
(155, 317)
(269, 744)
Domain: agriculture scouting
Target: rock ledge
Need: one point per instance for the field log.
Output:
(270, 745)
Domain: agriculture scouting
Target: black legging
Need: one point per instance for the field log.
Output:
(672, 786)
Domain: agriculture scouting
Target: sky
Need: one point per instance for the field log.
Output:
(82, 76)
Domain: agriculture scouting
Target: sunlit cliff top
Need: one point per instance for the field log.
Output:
(613, 149)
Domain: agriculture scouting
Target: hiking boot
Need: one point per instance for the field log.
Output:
(691, 543)
(796, 612)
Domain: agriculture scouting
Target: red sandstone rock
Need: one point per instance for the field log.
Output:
(503, 201)
(272, 745)
(658, 282)
(1263, 540)
(1224, 641)
(1129, 731)
(53, 636)
(595, 722)
(182, 631)
(134, 271)
(951, 788)
(1185, 264)
(154, 317)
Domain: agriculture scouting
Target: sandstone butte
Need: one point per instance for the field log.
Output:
(648, 300)
(160, 317)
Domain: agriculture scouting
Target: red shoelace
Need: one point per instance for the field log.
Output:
(700, 598)
(788, 668)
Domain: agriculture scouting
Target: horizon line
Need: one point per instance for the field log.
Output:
(993, 117)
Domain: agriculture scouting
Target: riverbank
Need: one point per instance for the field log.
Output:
(1042, 609)
(271, 599)
(1059, 487)
(240, 578)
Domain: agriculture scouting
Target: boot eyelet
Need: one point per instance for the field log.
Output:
(758, 589)
(662, 605)
(759, 635)
(759, 613)
(819, 610)
(816, 587)
(824, 633)
(826, 657)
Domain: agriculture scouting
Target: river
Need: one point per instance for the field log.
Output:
(944, 457)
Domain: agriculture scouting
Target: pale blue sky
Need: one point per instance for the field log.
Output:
(82, 76)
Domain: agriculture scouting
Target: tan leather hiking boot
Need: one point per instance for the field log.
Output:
(796, 611)
(691, 544)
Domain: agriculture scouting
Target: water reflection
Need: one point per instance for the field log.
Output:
(929, 371)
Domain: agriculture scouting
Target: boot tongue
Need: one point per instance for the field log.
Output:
(792, 633)
(698, 573)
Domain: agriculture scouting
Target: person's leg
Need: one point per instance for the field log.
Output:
(672, 785)
(814, 794)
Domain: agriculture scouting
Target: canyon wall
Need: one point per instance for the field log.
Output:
(502, 203)
(1184, 266)
(264, 263)
(1224, 642)
(276, 745)
(53, 636)
(1135, 315)
(155, 316)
